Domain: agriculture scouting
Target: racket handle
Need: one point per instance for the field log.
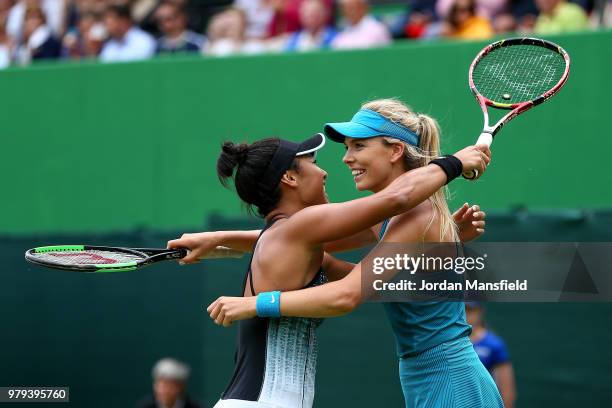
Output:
(223, 252)
(483, 139)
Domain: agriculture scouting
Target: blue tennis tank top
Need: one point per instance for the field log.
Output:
(419, 326)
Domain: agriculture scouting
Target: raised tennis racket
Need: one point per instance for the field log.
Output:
(85, 258)
(515, 74)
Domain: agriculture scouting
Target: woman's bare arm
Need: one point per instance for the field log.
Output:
(201, 243)
(334, 221)
(339, 220)
(469, 219)
(336, 269)
(332, 299)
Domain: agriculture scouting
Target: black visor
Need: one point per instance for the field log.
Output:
(285, 154)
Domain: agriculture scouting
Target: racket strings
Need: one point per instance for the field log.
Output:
(86, 257)
(518, 73)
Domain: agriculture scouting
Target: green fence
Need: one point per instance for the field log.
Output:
(94, 147)
(101, 334)
(89, 150)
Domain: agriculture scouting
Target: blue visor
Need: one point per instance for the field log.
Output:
(367, 123)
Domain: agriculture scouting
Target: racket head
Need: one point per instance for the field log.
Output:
(518, 72)
(86, 258)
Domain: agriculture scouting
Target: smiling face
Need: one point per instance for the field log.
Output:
(373, 163)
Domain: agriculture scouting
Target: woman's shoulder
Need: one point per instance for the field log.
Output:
(276, 245)
(423, 211)
(413, 223)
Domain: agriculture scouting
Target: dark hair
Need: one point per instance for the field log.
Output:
(38, 12)
(251, 162)
(452, 14)
(120, 11)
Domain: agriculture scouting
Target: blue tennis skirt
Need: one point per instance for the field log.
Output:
(449, 375)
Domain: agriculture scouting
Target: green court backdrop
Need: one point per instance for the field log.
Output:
(95, 147)
(100, 334)
(125, 153)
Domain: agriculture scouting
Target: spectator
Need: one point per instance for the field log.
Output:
(77, 8)
(38, 42)
(559, 16)
(127, 42)
(86, 39)
(504, 23)
(169, 382)
(144, 13)
(492, 352)
(363, 30)
(172, 22)
(52, 9)
(488, 9)
(521, 17)
(421, 14)
(259, 14)
(227, 35)
(286, 17)
(602, 15)
(6, 44)
(316, 34)
(463, 23)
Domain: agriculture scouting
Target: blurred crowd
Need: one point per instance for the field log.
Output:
(128, 30)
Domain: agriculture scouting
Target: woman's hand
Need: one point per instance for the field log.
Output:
(226, 310)
(471, 222)
(199, 244)
(474, 158)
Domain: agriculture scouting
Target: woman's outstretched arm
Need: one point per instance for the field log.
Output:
(201, 243)
(469, 219)
(339, 220)
(331, 299)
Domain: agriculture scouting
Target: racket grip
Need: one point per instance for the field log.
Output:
(223, 252)
(483, 139)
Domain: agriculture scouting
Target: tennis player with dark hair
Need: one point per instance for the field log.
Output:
(387, 143)
(275, 364)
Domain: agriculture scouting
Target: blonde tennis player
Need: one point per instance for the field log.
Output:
(387, 142)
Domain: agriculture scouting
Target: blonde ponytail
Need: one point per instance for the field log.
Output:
(429, 148)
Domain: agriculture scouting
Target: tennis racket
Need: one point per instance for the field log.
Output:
(515, 74)
(86, 258)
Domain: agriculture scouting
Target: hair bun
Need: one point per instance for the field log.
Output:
(236, 152)
(232, 155)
